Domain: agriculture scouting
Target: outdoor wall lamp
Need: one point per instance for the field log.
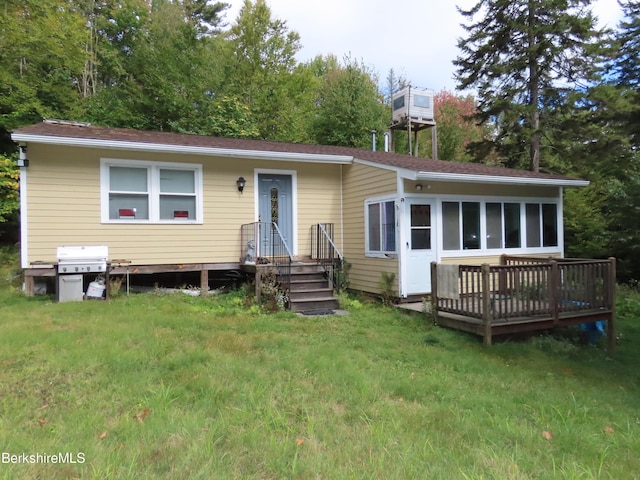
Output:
(241, 182)
(22, 158)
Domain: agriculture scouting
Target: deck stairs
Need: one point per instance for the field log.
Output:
(310, 290)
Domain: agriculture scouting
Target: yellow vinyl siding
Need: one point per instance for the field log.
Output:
(362, 182)
(319, 201)
(63, 207)
(483, 190)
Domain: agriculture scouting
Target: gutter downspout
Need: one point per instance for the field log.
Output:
(24, 221)
(402, 253)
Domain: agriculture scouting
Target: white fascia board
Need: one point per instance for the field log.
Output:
(164, 148)
(409, 174)
(494, 179)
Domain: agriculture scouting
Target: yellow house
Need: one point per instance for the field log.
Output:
(166, 201)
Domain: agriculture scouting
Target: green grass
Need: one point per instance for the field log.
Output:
(176, 387)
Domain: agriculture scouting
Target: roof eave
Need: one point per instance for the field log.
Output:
(185, 149)
(499, 179)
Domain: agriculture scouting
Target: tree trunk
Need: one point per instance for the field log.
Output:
(534, 91)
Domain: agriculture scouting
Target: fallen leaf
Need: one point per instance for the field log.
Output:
(103, 435)
(547, 435)
(42, 421)
(609, 430)
(567, 371)
(300, 441)
(204, 430)
(78, 340)
(140, 416)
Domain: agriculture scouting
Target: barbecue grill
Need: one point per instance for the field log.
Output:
(73, 263)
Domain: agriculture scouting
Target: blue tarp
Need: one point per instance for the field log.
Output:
(594, 330)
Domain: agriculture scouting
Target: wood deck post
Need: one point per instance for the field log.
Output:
(611, 296)
(554, 291)
(502, 276)
(486, 303)
(204, 280)
(434, 291)
(258, 284)
(29, 285)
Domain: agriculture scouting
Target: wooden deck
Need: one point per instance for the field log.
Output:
(524, 294)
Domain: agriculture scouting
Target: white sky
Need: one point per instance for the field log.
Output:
(417, 38)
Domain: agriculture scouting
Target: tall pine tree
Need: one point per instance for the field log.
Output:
(519, 56)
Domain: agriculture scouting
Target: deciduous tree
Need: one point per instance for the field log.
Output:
(349, 107)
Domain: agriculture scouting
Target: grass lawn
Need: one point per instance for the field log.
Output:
(176, 387)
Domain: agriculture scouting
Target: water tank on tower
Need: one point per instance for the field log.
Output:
(412, 105)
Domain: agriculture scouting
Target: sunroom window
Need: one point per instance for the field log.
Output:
(381, 232)
(507, 225)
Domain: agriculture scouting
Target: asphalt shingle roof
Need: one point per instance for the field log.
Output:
(77, 131)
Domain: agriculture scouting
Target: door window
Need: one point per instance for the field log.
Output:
(420, 227)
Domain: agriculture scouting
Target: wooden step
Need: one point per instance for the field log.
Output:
(324, 304)
(310, 294)
(297, 285)
(309, 289)
(305, 268)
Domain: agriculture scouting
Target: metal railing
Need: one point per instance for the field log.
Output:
(263, 244)
(326, 254)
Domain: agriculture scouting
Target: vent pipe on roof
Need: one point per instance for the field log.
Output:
(386, 141)
(373, 140)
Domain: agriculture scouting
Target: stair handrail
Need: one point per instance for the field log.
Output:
(279, 256)
(326, 235)
(283, 267)
(327, 254)
(284, 242)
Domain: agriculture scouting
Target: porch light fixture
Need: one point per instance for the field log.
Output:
(419, 187)
(241, 182)
(22, 158)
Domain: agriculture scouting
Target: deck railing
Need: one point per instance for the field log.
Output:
(263, 244)
(526, 290)
(326, 254)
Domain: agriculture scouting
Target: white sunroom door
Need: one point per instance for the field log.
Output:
(420, 245)
(275, 205)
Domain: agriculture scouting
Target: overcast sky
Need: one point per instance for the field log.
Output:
(417, 38)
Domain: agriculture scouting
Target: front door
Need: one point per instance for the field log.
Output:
(275, 205)
(420, 245)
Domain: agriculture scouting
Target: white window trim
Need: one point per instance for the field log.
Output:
(375, 253)
(484, 251)
(153, 173)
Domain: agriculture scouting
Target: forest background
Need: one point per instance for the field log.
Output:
(554, 93)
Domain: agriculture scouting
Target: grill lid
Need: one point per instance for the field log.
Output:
(83, 254)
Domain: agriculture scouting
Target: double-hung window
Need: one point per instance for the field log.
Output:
(150, 192)
(380, 219)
